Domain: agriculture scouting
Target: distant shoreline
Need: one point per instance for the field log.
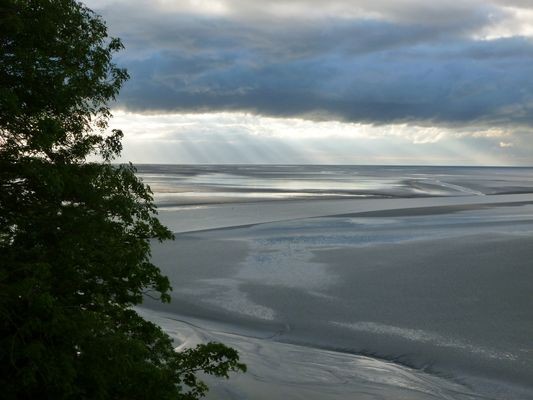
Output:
(332, 165)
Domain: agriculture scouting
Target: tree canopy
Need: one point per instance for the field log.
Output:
(74, 234)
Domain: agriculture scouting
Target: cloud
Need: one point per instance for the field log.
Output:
(376, 62)
(246, 138)
(411, 11)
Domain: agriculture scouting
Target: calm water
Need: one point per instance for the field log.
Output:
(205, 184)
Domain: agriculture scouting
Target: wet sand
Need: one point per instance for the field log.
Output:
(214, 216)
(442, 285)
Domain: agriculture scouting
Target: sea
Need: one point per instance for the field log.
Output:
(207, 184)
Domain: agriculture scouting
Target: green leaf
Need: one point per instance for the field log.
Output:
(75, 235)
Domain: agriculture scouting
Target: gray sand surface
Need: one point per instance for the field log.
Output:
(216, 216)
(286, 371)
(448, 293)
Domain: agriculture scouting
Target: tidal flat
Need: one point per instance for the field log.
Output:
(394, 298)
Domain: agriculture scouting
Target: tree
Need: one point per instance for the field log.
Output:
(74, 234)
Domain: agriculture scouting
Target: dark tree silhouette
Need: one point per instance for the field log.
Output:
(75, 235)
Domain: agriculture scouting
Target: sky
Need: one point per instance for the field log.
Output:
(325, 81)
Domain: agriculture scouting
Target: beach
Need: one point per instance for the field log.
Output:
(385, 295)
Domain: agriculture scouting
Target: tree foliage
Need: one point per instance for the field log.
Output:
(75, 235)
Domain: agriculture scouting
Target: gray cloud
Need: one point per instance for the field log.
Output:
(413, 61)
(411, 11)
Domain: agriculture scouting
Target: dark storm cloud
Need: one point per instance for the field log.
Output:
(423, 67)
